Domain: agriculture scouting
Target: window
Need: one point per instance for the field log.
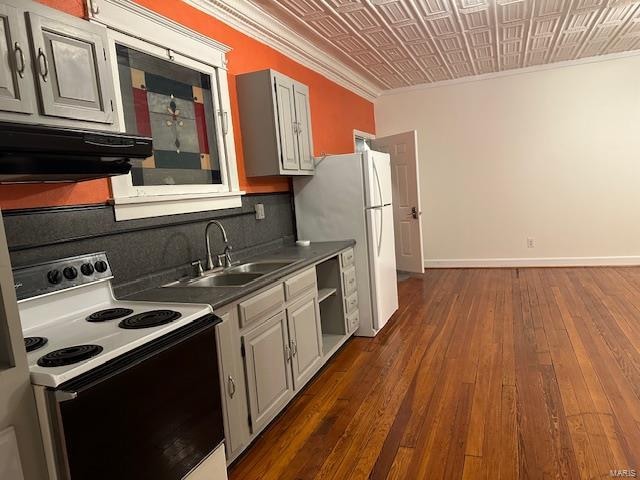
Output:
(179, 99)
(174, 105)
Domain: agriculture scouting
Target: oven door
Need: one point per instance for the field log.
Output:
(152, 413)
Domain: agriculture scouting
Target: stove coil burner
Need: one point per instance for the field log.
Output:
(153, 318)
(34, 343)
(109, 314)
(69, 355)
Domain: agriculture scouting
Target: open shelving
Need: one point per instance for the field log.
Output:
(332, 319)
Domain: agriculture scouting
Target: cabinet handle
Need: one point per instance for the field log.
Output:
(20, 65)
(95, 8)
(232, 386)
(43, 65)
(294, 348)
(224, 118)
(287, 352)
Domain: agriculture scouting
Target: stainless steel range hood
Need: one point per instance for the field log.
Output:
(38, 153)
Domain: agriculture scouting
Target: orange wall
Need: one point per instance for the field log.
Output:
(335, 111)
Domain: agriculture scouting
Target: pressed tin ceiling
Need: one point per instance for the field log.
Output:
(400, 43)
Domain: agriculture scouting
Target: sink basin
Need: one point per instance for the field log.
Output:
(225, 279)
(237, 276)
(260, 267)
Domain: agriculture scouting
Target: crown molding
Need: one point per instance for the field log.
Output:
(258, 24)
(510, 73)
(129, 17)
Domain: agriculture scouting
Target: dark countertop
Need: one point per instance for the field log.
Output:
(220, 296)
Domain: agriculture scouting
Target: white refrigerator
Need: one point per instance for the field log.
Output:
(349, 197)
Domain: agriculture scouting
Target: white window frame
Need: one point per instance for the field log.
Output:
(135, 26)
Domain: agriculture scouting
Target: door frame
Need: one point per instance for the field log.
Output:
(359, 134)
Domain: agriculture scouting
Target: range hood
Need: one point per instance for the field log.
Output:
(38, 153)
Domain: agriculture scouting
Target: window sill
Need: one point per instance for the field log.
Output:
(131, 208)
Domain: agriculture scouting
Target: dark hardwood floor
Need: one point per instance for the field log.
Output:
(497, 374)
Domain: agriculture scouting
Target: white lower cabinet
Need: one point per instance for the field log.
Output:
(270, 344)
(267, 358)
(303, 319)
(233, 387)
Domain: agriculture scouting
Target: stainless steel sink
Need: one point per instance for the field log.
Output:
(217, 279)
(225, 279)
(237, 276)
(260, 267)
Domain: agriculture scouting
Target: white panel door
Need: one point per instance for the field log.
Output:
(73, 71)
(303, 123)
(285, 102)
(16, 81)
(268, 370)
(306, 339)
(403, 149)
(382, 264)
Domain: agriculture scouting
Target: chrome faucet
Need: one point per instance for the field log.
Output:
(224, 259)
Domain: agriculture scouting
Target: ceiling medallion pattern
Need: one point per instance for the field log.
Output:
(400, 43)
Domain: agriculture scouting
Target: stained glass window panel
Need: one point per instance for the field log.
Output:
(174, 105)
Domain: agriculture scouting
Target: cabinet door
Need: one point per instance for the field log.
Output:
(303, 119)
(286, 122)
(72, 69)
(268, 370)
(306, 339)
(234, 395)
(16, 80)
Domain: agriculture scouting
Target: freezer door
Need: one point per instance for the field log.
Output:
(382, 264)
(377, 173)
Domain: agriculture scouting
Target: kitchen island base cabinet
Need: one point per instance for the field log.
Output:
(303, 319)
(267, 356)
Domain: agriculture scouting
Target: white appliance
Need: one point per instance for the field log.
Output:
(350, 197)
(109, 376)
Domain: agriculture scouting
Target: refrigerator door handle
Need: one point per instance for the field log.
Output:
(381, 229)
(375, 173)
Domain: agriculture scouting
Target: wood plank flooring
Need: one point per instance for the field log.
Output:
(497, 374)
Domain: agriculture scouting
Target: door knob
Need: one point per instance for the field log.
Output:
(414, 212)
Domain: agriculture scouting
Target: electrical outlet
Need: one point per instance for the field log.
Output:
(531, 242)
(259, 211)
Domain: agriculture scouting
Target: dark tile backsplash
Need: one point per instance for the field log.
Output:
(147, 251)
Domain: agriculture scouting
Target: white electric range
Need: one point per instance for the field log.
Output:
(143, 374)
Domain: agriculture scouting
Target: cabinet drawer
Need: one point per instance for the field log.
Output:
(260, 306)
(347, 258)
(300, 283)
(351, 303)
(349, 279)
(353, 321)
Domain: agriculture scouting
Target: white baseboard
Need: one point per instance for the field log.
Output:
(532, 262)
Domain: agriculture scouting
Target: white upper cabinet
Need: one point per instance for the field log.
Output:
(54, 68)
(72, 70)
(16, 81)
(276, 124)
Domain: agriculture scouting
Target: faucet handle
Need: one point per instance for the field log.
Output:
(198, 271)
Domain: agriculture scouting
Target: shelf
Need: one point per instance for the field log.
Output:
(325, 293)
(331, 342)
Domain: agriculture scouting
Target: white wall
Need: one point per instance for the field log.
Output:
(553, 155)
